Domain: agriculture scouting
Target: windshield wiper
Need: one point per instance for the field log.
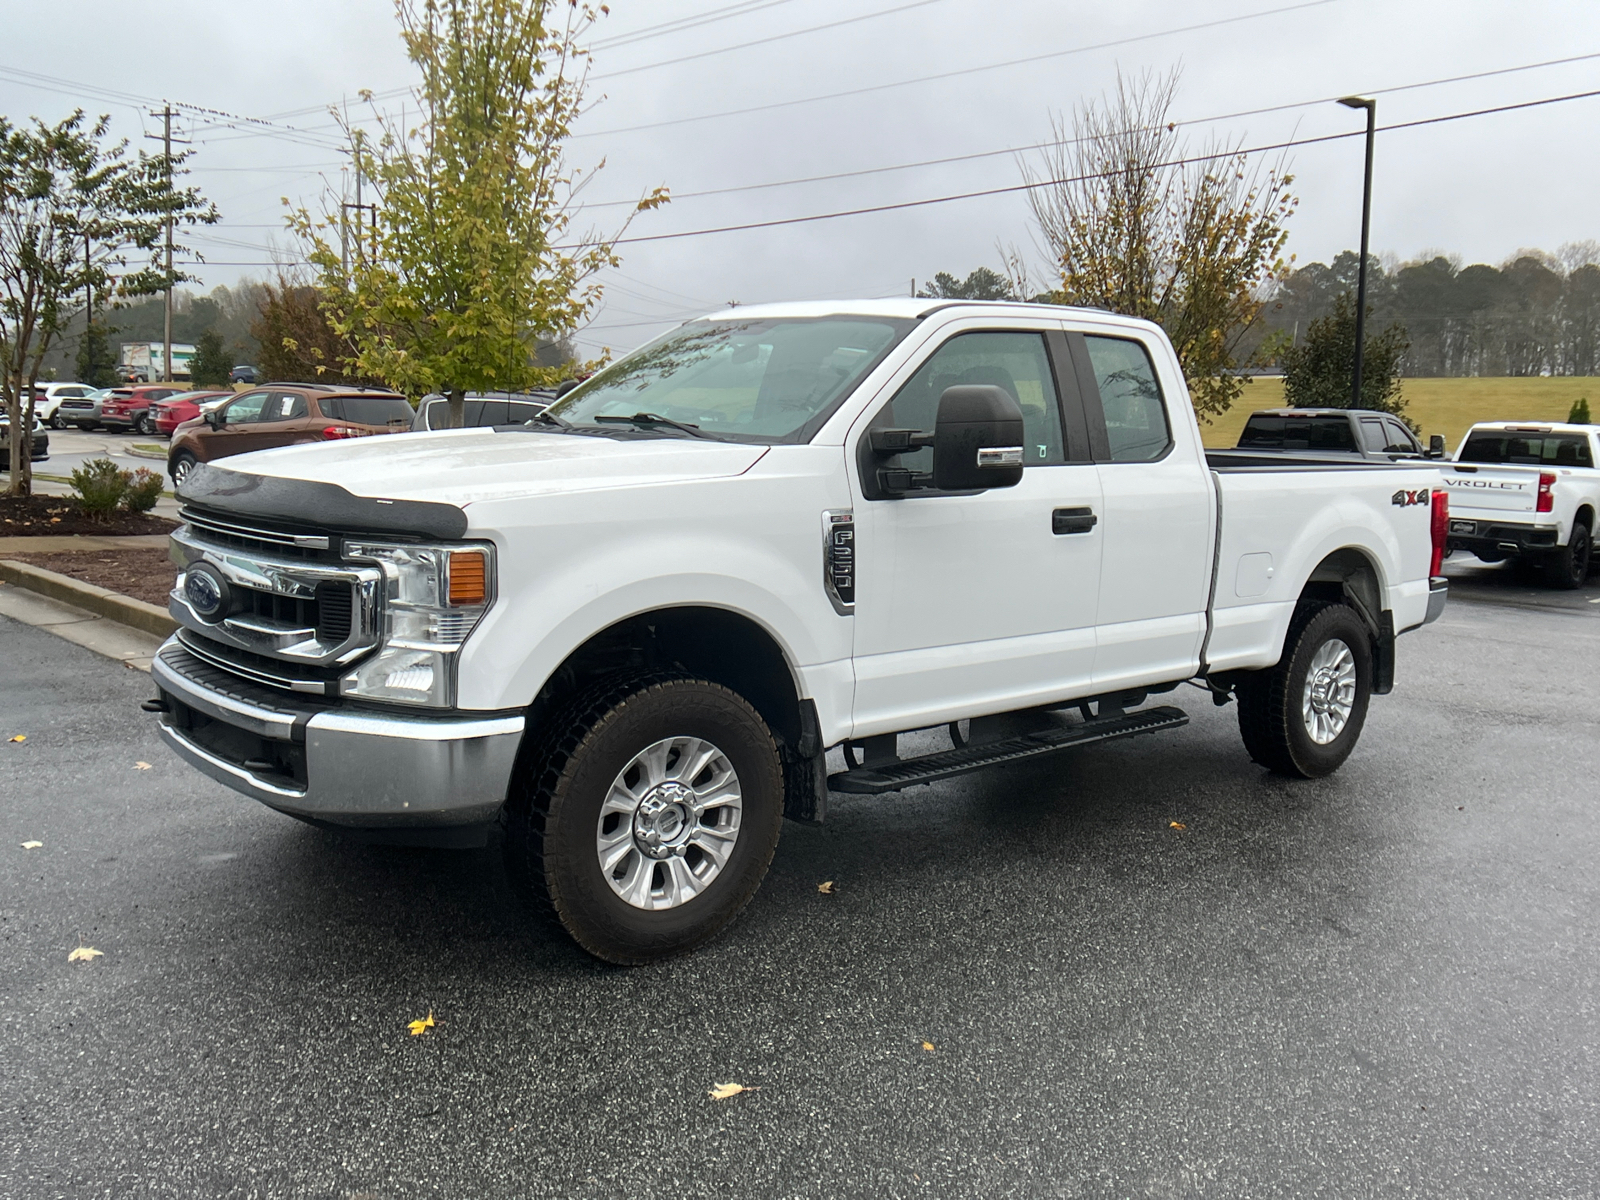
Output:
(549, 418)
(645, 420)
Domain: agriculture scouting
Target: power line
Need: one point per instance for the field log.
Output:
(683, 23)
(1031, 186)
(777, 37)
(957, 158)
(1015, 62)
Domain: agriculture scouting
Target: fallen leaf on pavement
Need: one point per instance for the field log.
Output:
(928, 1046)
(1177, 825)
(421, 1024)
(31, 845)
(21, 737)
(723, 1090)
(85, 954)
(826, 888)
(141, 766)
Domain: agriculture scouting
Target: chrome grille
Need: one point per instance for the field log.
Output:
(280, 543)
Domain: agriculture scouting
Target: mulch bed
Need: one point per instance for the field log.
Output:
(145, 574)
(48, 516)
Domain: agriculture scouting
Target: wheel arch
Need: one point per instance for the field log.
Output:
(1585, 517)
(1351, 576)
(706, 642)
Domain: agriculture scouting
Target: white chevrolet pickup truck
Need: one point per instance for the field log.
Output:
(630, 630)
(1529, 493)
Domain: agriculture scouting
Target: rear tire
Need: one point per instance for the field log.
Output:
(1303, 717)
(694, 843)
(1568, 567)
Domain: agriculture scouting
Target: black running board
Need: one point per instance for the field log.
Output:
(908, 772)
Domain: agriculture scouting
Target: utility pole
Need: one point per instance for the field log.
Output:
(361, 212)
(1371, 106)
(166, 114)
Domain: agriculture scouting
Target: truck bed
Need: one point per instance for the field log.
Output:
(1280, 460)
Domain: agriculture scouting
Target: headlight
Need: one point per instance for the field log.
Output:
(434, 596)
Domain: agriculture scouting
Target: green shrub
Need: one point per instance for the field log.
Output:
(1580, 412)
(100, 486)
(144, 489)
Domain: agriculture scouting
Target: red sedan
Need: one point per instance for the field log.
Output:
(185, 406)
(130, 409)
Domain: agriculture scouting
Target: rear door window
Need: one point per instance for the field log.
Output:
(1373, 437)
(374, 410)
(1130, 397)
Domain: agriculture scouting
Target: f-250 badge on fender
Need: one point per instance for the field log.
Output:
(1405, 499)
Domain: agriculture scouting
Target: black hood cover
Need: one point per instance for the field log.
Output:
(322, 505)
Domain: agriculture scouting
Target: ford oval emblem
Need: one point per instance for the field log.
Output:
(207, 593)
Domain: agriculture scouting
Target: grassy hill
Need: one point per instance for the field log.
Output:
(1447, 406)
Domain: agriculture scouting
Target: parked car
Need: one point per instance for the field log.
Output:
(47, 398)
(130, 408)
(1342, 432)
(1530, 493)
(244, 373)
(84, 411)
(185, 406)
(39, 449)
(284, 414)
(632, 629)
(482, 408)
(127, 374)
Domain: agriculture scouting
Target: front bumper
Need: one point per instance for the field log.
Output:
(335, 764)
(1495, 540)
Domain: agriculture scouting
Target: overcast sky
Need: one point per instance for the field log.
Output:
(1480, 188)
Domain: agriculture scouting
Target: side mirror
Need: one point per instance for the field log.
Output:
(977, 439)
(1436, 446)
(566, 386)
(210, 418)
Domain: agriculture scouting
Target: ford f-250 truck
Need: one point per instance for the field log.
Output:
(1527, 492)
(631, 629)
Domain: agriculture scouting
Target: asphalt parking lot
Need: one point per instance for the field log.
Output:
(1379, 984)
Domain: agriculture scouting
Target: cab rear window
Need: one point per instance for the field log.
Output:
(1544, 450)
(366, 410)
(1297, 433)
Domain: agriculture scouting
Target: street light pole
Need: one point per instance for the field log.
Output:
(1366, 222)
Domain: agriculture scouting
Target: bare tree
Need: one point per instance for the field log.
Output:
(1133, 223)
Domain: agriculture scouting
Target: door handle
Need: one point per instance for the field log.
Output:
(1072, 520)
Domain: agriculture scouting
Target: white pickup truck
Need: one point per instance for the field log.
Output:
(1527, 492)
(631, 630)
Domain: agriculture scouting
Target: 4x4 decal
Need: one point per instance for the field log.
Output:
(1405, 499)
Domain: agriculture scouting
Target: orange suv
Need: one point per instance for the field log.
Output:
(284, 414)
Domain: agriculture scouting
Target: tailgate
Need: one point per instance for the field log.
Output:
(1491, 488)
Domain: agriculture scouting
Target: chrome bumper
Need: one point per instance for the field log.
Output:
(1438, 593)
(362, 768)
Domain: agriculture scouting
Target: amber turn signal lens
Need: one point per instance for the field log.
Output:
(469, 577)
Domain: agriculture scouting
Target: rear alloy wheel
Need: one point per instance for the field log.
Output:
(648, 817)
(1303, 717)
(1568, 567)
(181, 466)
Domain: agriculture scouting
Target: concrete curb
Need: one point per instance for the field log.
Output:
(123, 609)
(136, 451)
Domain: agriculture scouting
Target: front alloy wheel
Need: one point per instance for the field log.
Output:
(669, 823)
(645, 815)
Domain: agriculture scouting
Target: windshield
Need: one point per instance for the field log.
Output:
(773, 380)
(1551, 449)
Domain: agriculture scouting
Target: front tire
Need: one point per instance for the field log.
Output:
(57, 421)
(147, 426)
(1303, 717)
(647, 817)
(180, 468)
(1568, 567)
